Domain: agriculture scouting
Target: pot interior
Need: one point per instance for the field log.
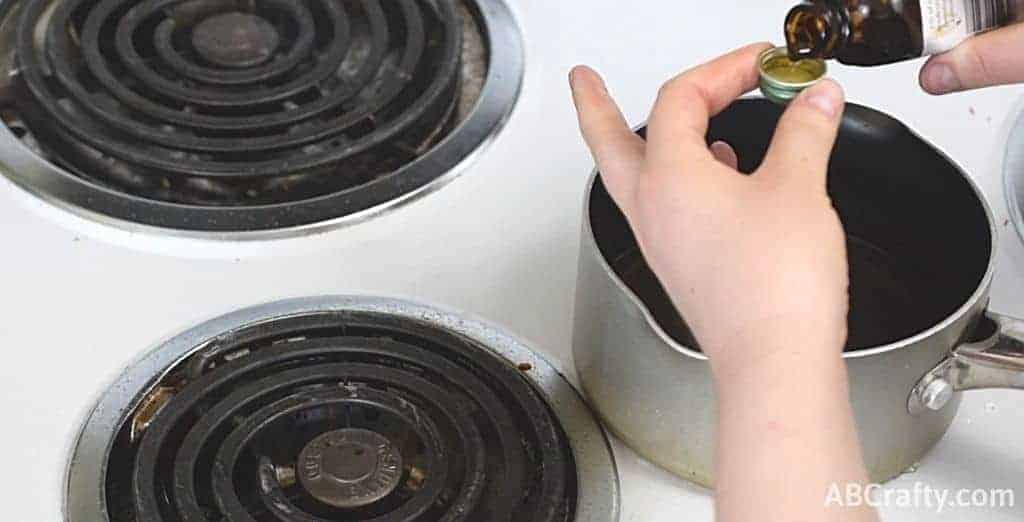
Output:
(919, 238)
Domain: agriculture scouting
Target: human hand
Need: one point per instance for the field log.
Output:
(749, 261)
(993, 58)
(757, 266)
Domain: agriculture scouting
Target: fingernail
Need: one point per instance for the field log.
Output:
(940, 78)
(576, 75)
(582, 73)
(827, 97)
(720, 146)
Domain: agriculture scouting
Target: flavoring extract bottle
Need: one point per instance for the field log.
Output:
(876, 32)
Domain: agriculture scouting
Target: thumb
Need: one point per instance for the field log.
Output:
(994, 58)
(805, 135)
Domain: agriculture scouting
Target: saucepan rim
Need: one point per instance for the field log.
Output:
(979, 292)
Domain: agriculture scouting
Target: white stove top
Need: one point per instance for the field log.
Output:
(81, 300)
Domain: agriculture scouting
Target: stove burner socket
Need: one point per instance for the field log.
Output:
(350, 468)
(235, 39)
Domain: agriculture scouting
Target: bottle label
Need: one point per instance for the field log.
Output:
(946, 23)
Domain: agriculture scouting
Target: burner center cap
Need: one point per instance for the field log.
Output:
(350, 467)
(235, 39)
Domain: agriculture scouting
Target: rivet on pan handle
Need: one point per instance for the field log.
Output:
(996, 361)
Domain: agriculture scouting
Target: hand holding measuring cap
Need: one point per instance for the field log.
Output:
(757, 266)
(739, 255)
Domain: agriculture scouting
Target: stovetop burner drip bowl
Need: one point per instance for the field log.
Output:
(229, 115)
(346, 414)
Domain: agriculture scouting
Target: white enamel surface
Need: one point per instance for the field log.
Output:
(81, 300)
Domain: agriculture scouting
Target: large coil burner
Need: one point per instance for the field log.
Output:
(331, 410)
(248, 115)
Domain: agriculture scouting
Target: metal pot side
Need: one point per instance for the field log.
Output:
(658, 396)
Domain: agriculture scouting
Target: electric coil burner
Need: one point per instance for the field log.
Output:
(342, 409)
(248, 115)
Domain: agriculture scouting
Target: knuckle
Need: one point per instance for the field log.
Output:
(975, 66)
(680, 87)
(666, 90)
(599, 121)
(592, 106)
(805, 121)
(807, 111)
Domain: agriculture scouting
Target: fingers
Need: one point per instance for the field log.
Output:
(994, 58)
(617, 150)
(679, 120)
(724, 153)
(805, 136)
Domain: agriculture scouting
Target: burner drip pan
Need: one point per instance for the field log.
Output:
(342, 409)
(260, 117)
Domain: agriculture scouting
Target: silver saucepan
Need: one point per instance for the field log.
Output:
(921, 247)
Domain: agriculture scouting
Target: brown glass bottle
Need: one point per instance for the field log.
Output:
(876, 32)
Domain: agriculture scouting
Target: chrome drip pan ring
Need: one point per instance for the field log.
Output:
(495, 68)
(597, 488)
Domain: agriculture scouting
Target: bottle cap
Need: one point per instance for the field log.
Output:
(783, 79)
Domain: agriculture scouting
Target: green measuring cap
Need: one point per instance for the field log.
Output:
(783, 79)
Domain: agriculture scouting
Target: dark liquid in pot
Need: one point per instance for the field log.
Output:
(883, 308)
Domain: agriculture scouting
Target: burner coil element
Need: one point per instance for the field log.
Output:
(162, 92)
(244, 115)
(343, 417)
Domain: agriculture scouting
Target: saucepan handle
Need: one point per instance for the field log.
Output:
(995, 361)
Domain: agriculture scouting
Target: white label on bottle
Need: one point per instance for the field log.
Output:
(943, 24)
(946, 23)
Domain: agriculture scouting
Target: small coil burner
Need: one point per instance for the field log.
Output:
(249, 115)
(342, 409)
